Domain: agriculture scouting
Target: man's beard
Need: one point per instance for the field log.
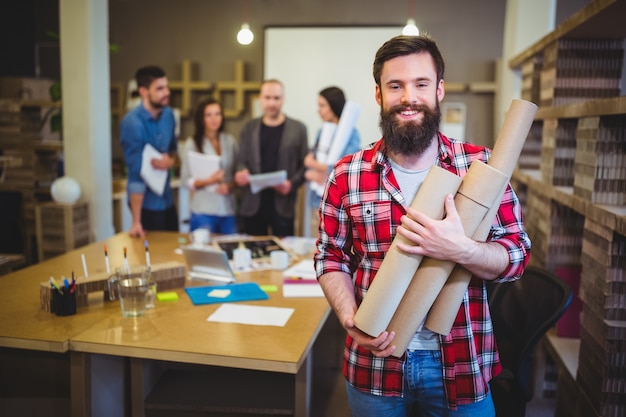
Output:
(409, 138)
(158, 104)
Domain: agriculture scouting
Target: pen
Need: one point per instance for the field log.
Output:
(147, 254)
(125, 258)
(106, 259)
(82, 255)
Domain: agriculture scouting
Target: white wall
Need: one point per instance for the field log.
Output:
(326, 56)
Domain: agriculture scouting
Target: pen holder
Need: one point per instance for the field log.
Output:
(63, 304)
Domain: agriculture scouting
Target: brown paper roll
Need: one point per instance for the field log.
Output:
(506, 151)
(473, 201)
(397, 269)
(441, 315)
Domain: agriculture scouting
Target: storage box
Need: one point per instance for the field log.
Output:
(60, 228)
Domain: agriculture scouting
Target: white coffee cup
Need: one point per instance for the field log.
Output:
(200, 237)
(242, 258)
(279, 259)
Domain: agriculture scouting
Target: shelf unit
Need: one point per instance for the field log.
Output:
(572, 182)
(34, 152)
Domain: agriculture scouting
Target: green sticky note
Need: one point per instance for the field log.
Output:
(167, 296)
(269, 288)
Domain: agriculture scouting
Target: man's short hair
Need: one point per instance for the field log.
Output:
(407, 45)
(145, 75)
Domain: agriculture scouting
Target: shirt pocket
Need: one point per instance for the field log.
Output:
(372, 224)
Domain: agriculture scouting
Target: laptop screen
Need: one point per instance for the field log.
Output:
(208, 263)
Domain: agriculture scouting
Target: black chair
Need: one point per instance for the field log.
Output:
(522, 312)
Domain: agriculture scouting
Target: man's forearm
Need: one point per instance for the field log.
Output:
(136, 202)
(339, 291)
(486, 260)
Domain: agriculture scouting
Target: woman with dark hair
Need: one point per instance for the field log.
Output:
(212, 203)
(330, 103)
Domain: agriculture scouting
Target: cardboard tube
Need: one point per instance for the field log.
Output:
(441, 315)
(506, 151)
(397, 269)
(474, 201)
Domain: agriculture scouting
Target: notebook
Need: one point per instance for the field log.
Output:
(208, 263)
(243, 291)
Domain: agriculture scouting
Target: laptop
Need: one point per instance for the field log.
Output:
(208, 263)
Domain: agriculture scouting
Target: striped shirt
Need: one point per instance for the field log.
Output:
(360, 212)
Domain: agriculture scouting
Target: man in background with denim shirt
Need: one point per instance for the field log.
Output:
(151, 122)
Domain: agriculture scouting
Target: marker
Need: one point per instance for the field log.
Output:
(147, 253)
(106, 259)
(125, 258)
(55, 285)
(82, 255)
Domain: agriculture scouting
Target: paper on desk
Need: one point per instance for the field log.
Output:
(259, 182)
(154, 178)
(303, 269)
(245, 314)
(203, 166)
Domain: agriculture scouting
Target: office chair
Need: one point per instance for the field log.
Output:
(522, 312)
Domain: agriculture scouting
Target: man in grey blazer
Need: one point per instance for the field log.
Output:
(271, 143)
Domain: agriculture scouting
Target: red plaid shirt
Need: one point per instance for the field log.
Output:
(360, 211)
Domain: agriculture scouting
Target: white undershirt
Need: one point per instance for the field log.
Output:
(410, 183)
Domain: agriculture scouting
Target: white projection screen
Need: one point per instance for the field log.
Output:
(308, 59)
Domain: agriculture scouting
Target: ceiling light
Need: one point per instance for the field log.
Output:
(410, 29)
(245, 35)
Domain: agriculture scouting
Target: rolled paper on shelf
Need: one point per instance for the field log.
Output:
(473, 201)
(397, 269)
(506, 151)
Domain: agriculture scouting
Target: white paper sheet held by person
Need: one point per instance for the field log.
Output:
(259, 182)
(154, 178)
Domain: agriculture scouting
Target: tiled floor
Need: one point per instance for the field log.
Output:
(329, 397)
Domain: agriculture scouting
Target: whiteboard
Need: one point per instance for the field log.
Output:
(309, 59)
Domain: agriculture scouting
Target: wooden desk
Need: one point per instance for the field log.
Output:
(173, 332)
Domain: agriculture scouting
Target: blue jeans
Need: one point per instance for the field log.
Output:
(224, 225)
(424, 394)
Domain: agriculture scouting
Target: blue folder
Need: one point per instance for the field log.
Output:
(243, 291)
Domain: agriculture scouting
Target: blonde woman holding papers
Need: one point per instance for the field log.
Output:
(207, 170)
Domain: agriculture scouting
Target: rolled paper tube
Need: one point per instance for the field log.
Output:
(442, 315)
(506, 151)
(397, 269)
(510, 141)
(473, 201)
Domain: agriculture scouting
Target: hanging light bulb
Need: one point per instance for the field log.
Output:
(410, 29)
(245, 35)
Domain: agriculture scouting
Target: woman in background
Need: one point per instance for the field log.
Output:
(212, 202)
(330, 103)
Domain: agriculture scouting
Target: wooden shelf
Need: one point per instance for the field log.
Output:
(599, 107)
(599, 19)
(611, 216)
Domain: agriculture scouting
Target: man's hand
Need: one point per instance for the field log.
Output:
(439, 239)
(283, 188)
(165, 162)
(136, 230)
(242, 178)
(379, 346)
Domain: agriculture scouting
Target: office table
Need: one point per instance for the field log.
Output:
(174, 332)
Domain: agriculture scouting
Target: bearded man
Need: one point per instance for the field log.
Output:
(366, 203)
(151, 122)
